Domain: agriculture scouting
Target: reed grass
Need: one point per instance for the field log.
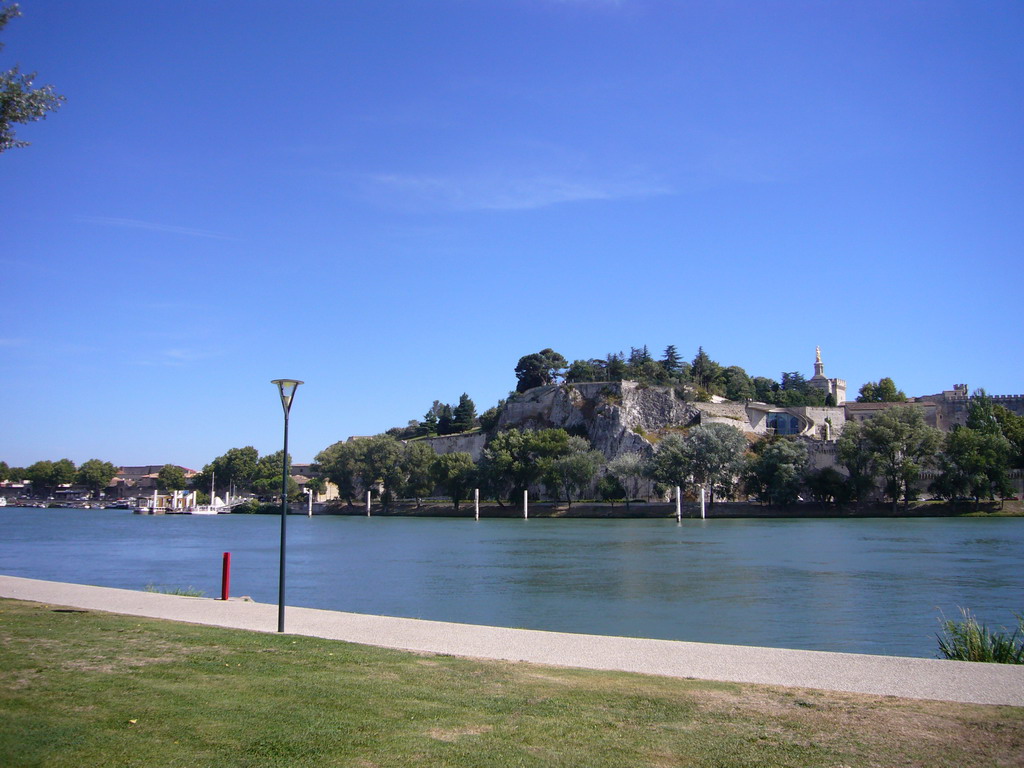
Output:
(189, 591)
(968, 640)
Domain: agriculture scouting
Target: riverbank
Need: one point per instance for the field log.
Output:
(907, 677)
(690, 510)
(88, 688)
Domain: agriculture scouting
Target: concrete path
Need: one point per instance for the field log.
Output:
(855, 673)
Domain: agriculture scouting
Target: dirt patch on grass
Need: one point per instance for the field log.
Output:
(454, 734)
(926, 729)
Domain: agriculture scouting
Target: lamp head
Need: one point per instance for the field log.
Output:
(287, 389)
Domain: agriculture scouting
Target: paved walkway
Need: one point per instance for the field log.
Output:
(855, 673)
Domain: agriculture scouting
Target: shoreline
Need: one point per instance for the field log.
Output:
(667, 510)
(902, 676)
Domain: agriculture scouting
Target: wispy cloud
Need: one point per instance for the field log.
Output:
(153, 227)
(507, 192)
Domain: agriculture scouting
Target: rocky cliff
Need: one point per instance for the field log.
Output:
(615, 416)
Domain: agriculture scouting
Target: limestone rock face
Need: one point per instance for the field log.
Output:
(613, 415)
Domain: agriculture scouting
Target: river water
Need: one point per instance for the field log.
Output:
(864, 585)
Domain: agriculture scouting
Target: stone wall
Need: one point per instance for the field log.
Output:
(472, 443)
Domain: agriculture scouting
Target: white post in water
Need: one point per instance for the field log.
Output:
(702, 502)
(526, 514)
(476, 502)
(309, 493)
(368, 503)
(679, 505)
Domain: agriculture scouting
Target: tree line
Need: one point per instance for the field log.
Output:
(47, 476)
(698, 379)
(702, 375)
(890, 452)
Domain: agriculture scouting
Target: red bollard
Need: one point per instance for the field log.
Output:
(225, 577)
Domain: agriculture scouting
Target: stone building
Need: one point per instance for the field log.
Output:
(834, 387)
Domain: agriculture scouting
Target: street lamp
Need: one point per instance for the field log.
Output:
(286, 387)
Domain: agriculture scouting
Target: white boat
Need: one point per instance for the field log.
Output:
(3, 501)
(213, 508)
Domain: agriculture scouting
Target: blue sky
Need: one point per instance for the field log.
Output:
(394, 201)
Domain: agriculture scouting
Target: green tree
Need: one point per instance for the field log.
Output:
(96, 475)
(316, 485)
(445, 420)
(827, 485)
(417, 467)
(19, 101)
(267, 480)
(582, 370)
(381, 466)
(340, 463)
(464, 415)
(615, 367)
(429, 424)
(855, 453)
(902, 445)
(670, 361)
(539, 369)
(1012, 427)
(170, 478)
(628, 469)
(489, 418)
(738, 386)
(236, 468)
(705, 372)
(974, 463)
(514, 459)
(765, 390)
(40, 474)
(882, 391)
(776, 470)
(5, 472)
(981, 414)
(64, 472)
(47, 475)
(709, 457)
(572, 471)
(456, 473)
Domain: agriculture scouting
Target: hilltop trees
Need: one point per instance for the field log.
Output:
(464, 415)
(539, 369)
(882, 391)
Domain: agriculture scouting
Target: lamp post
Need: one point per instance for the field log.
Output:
(286, 387)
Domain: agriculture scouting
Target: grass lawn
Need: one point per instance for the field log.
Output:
(83, 688)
